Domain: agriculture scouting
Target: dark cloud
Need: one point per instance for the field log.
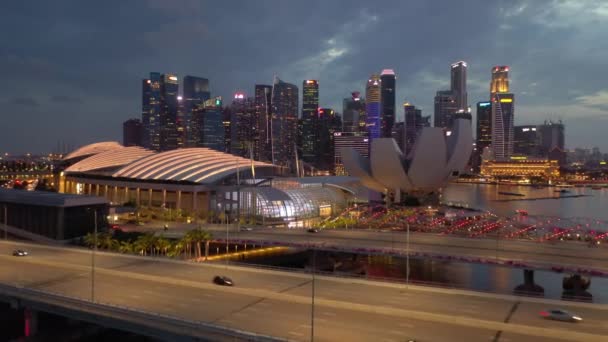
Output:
(24, 102)
(86, 60)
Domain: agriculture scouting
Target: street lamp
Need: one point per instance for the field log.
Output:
(93, 256)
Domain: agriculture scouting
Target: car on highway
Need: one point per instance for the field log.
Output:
(247, 229)
(19, 252)
(560, 315)
(312, 230)
(223, 280)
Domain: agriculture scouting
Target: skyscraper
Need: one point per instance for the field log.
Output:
(484, 125)
(445, 108)
(329, 122)
(243, 125)
(387, 83)
(151, 109)
(263, 96)
(284, 123)
(526, 141)
(310, 106)
(132, 130)
(552, 141)
(372, 106)
(169, 87)
(459, 84)
(502, 125)
(500, 80)
(196, 91)
(353, 113)
(207, 124)
(414, 122)
(357, 140)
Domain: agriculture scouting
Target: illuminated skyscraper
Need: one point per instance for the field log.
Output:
(459, 84)
(151, 109)
(244, 126)
(445, 108)
(387, 115)
(502, 125)
(196, 91)
(500, 80)
(484, 125)
(263, 96)
(414, 122)
(169, 87)
(526, 139)
(207, 124)
(353, 113)
(310, 118)
(329, 122)
(372, 106)
(284, 123)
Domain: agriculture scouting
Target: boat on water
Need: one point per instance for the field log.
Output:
(510, 193)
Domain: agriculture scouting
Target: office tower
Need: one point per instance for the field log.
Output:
(502, 125)
(263, 96)
(227, 123)
(413, 122)
(195, 92)
(310, 106)
(329, 122)
(357, 140)
(151, 109)
(353, 113)
(445, 107)
(484, 125)
(169, 87)
(372, 106)
(132, 131)
(526, 140)
(387, 116)
(243, 125)
(459, 84)
(398, 134)
(283, 127)
(500, 80)
(207, 124)
(552, 141)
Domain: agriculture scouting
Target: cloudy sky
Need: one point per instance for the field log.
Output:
(70, 70)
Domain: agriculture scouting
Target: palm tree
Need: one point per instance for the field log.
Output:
(126, 247)
(198, 236)
(89, 240)
(144, 243)
(161, 244)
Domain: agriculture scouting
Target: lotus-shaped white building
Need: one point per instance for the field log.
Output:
(437, 157)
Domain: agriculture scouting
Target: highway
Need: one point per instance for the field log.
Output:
(571, 255)
(278, 303)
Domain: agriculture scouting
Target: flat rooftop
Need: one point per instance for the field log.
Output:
(48, 199)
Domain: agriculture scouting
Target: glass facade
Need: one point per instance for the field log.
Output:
(310, 106)
(388, 101)
(283, 128)
(372, 106)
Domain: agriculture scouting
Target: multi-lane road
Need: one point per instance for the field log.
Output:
(279, 303)
(571, 255)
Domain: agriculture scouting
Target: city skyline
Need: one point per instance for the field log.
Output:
(79, 80)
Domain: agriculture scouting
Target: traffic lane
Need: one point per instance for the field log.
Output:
(293, 322)
(594, 321)
(449, 304)
(14, 272)
(173, 300)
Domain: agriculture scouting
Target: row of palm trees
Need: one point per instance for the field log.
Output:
(189, 246)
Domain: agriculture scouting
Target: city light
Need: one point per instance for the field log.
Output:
(506, 100)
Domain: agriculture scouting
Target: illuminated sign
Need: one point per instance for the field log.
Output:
(179, 98)
(484, 104)
(525, 129)
(602, 163)
(218, 102)
(149, 81)
(337, 134)
(519, 158)
(239, 96)
(173, 78)
(311, 82)
(506, 100)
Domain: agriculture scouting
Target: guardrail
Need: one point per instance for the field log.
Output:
(157, 320)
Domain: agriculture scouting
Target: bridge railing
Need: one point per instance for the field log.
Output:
(132, 314)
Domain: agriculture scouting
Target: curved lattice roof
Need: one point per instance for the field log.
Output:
(112, 158)
(198, 165)
(92, 149)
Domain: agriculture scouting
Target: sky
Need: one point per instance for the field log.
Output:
(71, 70)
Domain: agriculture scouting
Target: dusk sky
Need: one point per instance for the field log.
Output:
(71, 70)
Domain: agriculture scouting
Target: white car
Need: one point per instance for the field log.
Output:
(247, 229)
(19, 252)
(560, 315)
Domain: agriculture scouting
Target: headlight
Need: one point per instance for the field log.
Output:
(577, 318)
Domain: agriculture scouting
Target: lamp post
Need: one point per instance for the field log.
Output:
(227, 244)
(93, 256)
(312, 309)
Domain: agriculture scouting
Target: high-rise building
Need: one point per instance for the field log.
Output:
(387, 97)
(413, 122)
(132, 130)
(398, 134)
(484, 125)
(372, 106)
(243, 125)
(353, 113)
(195, 92)
(169, 87)
(329, 122)
(552, 141)
(207, 124)
(284, 123)
(310, 106)
(459, 84)
(151, 109)
(445, 108)
(263, 97)
(502, 125)
(357, 140)
(526, 141)
(227, 122)
(500, 80)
